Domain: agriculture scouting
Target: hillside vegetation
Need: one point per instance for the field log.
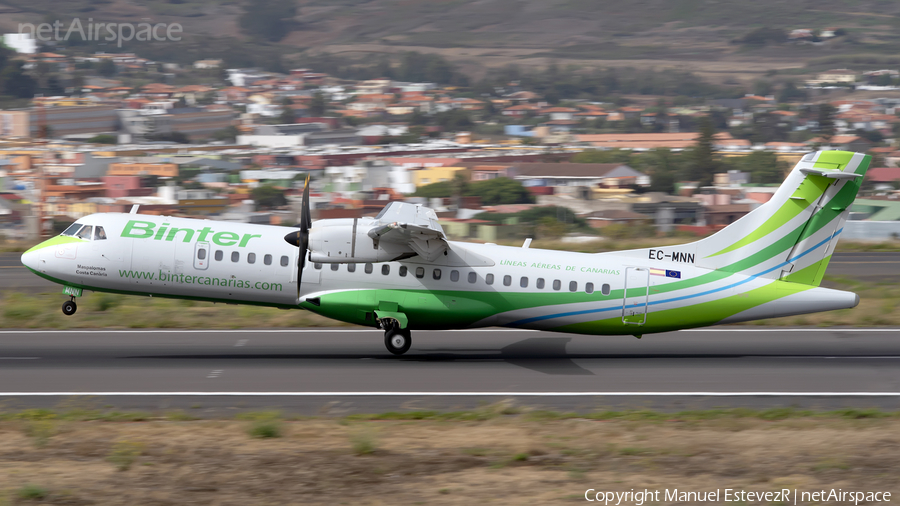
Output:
(708, 36)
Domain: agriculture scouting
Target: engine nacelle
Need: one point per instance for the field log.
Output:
(343, 241)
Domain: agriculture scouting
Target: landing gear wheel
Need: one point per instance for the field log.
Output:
(69, 307)
(397, 340)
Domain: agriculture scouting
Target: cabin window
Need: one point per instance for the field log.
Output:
(235, 256)
(507, 280)
(539, 283)
(201, 253)
(473, 277)
(385, 269)
(523, 282)
(99, 234)
(454, 275)
(85, 233)
(605, 289)
(317, 265)
(369, 268)
(557, 284)
(420, 272)
(403, 271)
(251, 258)
(219, 255)
(335, 267)
(285, 261)
(72, 230)
(436, 274)
(351, 267)
(589, 287)
(267, 259)
(573, 286)
(489, 279)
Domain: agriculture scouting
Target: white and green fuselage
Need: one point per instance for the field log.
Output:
(765, 265)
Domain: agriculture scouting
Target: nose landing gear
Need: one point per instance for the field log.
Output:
(396, 340)
(69, 307)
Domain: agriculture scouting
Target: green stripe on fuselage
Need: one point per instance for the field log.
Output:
(697, 315)
(56, 241)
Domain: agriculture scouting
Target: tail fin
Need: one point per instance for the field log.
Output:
(792, 236)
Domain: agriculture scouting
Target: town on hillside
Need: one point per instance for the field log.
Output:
(82, 133)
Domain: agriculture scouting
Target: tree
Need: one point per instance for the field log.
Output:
(790, 93)
(318, 106)
(269, 20)
(500, 191)
(663, 166)
(826, 122)
(268, 197)
(492, 191)
(453, 120)
(287, 115)
(703, 164)
(15, 82)
(228, 134)
(106, 68)
(103, 139)
(764, 167)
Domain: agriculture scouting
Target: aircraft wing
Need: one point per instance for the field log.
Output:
(413, 226)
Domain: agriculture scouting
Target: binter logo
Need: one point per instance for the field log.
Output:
(137, 229)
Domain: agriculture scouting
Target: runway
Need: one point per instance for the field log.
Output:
(872, 267)
(339, 371)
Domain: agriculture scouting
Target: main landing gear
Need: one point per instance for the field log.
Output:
(396, 340)
(69, 307)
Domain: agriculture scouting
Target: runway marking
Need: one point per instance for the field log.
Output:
(215, 374)
(817, 329)
(352, 330)
(239, 331)
(875, 262)
(241, 342)
(459, 394)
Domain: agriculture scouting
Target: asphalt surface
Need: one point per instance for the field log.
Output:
(336, 372)
(873, 267)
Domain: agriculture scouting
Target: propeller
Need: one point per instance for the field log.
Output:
(300, 238)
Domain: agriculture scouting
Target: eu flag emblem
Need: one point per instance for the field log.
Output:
(673, 274)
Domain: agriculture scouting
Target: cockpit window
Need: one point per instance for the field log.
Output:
(73, 228)
(99, 234)
(85, 232)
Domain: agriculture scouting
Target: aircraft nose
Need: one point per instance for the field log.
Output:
(30, 259)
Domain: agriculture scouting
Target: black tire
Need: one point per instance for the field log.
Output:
(397, 340)
(69, 307)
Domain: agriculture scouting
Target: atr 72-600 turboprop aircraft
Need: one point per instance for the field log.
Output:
(399, 272)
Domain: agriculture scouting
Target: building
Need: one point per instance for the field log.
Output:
(22, 43)
(424, 176)
(61, 121)
(143, 169)
(194, 122)
(834, 76)
(578, 174)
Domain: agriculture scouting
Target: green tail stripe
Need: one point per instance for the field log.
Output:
(697, 315)
(810, 190)
(811, 275)
(833, 159)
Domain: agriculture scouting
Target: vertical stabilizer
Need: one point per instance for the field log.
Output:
(792, 236)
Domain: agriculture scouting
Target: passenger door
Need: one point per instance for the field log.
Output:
(637, 295)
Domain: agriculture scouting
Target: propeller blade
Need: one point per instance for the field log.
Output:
(300, 238)
(305, 218)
